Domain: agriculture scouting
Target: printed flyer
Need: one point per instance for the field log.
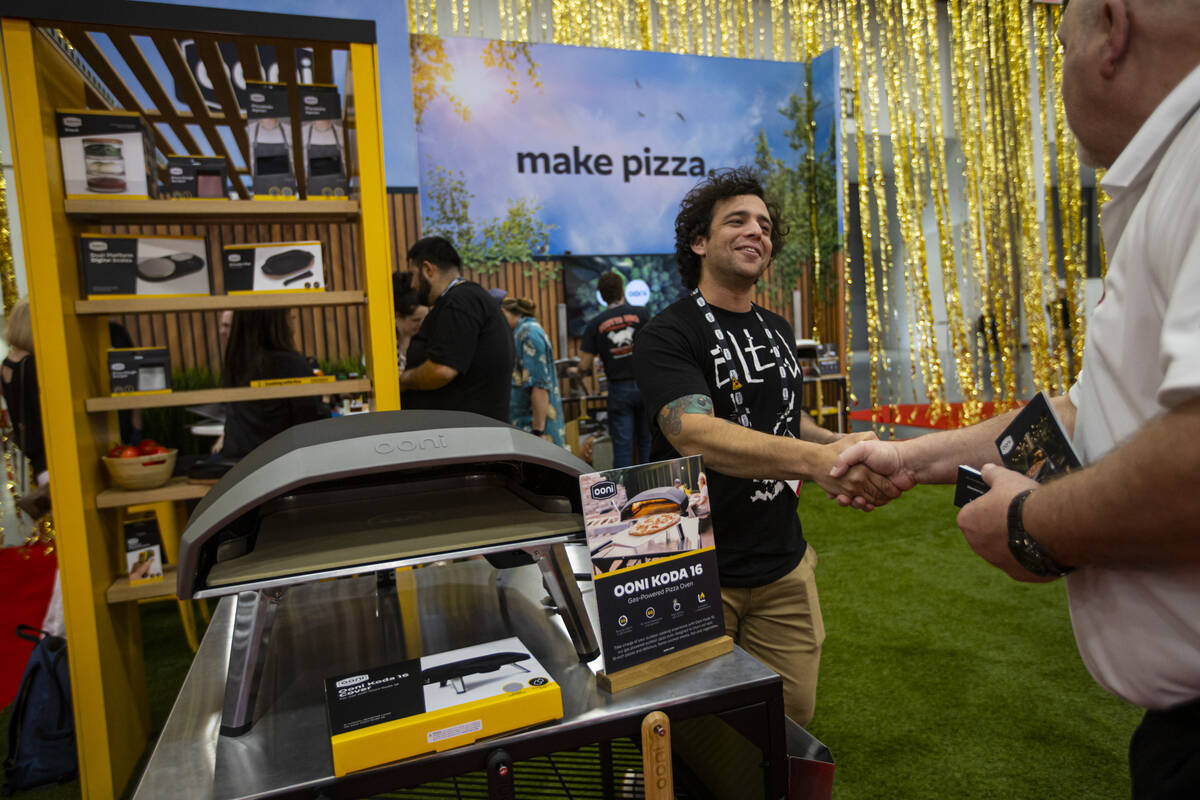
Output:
(654, 566)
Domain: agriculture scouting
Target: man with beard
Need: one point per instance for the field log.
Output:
(461, 359)
(721, 378)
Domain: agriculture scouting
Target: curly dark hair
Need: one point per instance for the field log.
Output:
(696, 211)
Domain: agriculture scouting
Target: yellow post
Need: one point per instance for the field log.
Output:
(107, 674)
(363, 97)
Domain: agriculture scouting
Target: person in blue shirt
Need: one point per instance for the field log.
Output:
(535, 404)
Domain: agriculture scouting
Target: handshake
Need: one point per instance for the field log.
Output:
(862, 471)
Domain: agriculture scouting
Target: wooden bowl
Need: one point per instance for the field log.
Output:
(141, 472)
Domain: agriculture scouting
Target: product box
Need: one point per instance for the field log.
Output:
(139, 370)
(123, 266)
(106, 154)
(269, 128)
(324, 143)
(191, 177)
(143, 547)
(436, 703)
(277, 267)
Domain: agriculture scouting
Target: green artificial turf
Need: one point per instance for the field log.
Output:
(943, 678)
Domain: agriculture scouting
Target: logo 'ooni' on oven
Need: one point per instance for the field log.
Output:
(412, 445)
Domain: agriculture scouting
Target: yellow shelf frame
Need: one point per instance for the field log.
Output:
(107, 671)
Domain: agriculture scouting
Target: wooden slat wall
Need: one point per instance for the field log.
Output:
(334, 332)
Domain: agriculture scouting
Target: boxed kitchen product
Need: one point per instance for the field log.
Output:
(323, 140)
(269, 128)
(139, 370)
(436, 702)
(195, 177)
(106, 154)
(143, 547)
(122, 265)
(277, 267)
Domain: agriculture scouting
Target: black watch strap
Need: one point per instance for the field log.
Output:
(1029, 554)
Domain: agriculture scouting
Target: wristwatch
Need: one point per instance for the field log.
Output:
(536, 432)
(1025, 548)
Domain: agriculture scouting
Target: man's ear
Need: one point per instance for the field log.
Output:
(699, 245)
(1114, 19)
(429, 269)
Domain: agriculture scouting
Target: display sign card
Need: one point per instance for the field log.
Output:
(654, 566)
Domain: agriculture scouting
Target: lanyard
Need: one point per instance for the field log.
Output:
(735, 384)
(453, 283)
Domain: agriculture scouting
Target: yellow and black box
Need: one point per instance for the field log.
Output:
(436, 703)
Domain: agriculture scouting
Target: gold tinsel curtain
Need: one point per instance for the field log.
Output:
(983, 275)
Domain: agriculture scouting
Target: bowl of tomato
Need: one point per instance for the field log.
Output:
(146, 465)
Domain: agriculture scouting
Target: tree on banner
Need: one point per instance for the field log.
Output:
(807, 195)
(516, 237)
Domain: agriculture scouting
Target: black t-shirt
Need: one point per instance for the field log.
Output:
(21, 397)
(465, 330)
(610, 335)
(250, 423)
(758, 534)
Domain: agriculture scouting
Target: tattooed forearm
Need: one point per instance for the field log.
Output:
(670, 418)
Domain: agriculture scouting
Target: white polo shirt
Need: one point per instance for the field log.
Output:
(1139, 630)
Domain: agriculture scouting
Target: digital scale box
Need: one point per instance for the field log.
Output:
(276, 267)
(106, 154)
(436, 702)
(123, 266)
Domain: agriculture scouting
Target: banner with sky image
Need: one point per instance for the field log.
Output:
(589, 151)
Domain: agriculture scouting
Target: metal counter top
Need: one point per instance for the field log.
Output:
(338, 626)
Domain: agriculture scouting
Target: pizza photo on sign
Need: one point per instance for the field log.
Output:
(629, 525)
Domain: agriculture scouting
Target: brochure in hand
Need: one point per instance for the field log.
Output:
(1035, 443)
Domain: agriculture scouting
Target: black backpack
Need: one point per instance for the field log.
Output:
(41, 731)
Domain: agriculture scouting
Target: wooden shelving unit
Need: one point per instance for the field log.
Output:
(50, 60)
(211, 210)
(147, 305)
(175, 489)
(121, 592)
(234, 395)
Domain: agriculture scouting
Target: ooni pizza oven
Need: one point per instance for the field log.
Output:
(372, 492)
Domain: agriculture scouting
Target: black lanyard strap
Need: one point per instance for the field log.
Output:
(735, 384)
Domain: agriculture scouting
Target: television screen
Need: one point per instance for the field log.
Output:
(650, 280)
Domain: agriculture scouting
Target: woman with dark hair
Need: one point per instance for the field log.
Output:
(535, 404)
(260, 348)
(410, 313)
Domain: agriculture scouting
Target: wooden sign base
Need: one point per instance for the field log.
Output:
(663, 665)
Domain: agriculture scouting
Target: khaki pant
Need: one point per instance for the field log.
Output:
(780, 624)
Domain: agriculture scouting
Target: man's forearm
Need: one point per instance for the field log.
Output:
(1137, 507)
(810, 431)
(934, 457)
(747, 453)
(427, 377)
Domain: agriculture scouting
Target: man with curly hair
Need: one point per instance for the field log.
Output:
(720, 376)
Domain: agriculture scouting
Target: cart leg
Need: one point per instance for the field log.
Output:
(252, 622)
(656, 756)
(564, 591)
